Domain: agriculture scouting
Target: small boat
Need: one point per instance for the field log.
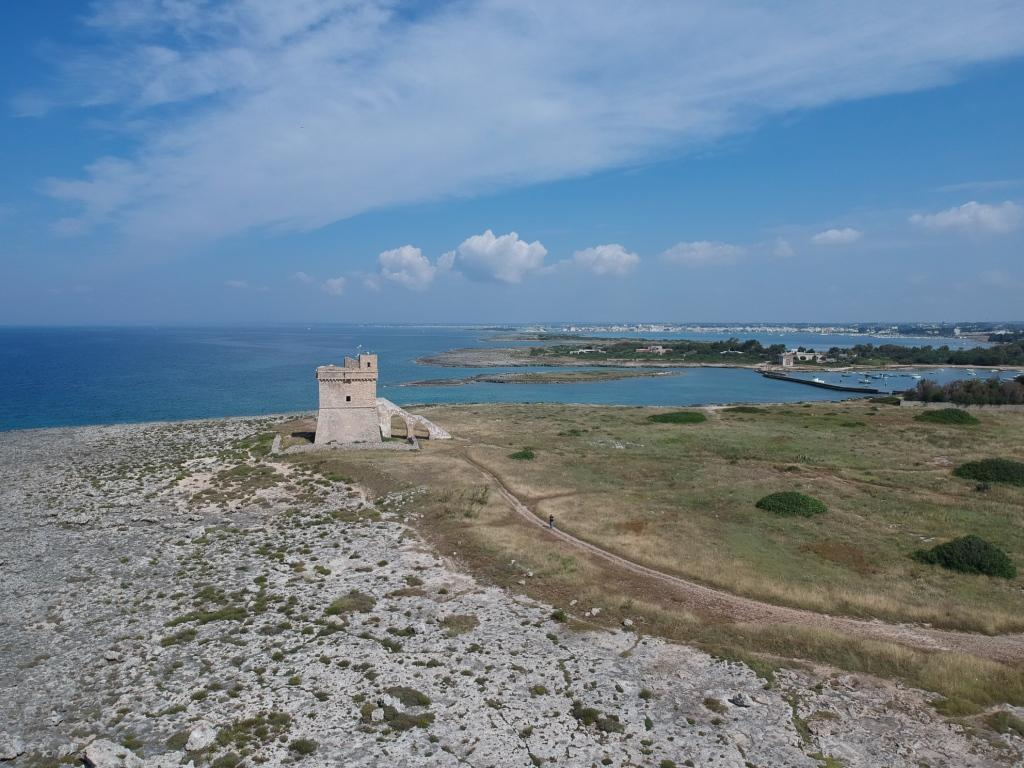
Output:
(865, 380)
(816, 380)
(915, 376)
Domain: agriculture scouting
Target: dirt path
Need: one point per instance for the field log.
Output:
(1006, 648)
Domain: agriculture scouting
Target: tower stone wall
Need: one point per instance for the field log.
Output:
(348, 402)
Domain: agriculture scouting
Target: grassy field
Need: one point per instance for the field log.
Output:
(680, 497)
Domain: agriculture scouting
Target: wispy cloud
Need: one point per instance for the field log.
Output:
(841, 236)
(982, 186)
(610, 259)
(701, 253)
(302, 277)
(237, 285)
(974, 217)
(294, 115)
(783, 249)
(334, 286)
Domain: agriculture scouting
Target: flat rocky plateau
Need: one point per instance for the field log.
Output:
(172, 594)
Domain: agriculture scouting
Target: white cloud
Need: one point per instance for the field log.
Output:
(238, 285)
(783, 249)
(610, 259)
(302, 277)
(407, 266)
(981, 186)
(257, 113)
(702, 253)
(505, 259)
(837, 236)
(334, 286)
(973, 217)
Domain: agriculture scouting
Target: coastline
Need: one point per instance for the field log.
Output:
(571, 377)
(518, 357)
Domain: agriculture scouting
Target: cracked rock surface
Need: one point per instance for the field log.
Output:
(172, 594)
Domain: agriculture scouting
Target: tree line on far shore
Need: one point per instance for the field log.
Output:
(970, 392)
(1000, 354)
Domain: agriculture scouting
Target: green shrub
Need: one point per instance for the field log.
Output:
(354, 602)
(886, 400)
(410, 697)
(678, 417)
(969, 554)
(743, 409)
(303, 747)
(993, 471)
(792, 504)
(1004, 722)
(526, 454)
(947, 416)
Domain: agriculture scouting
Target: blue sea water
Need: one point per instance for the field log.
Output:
(72, 376)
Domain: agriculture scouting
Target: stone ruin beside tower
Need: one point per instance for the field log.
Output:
(350, 411)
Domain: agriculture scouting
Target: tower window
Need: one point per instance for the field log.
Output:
(348, 398)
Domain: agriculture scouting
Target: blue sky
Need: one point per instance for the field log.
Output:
(498, 161)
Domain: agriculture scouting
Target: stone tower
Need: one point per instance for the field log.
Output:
(348, 402)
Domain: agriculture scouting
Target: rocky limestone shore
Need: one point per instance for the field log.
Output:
(173, 594)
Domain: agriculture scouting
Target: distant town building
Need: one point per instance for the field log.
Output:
(788, 359)
(586, 351)
(654, 349)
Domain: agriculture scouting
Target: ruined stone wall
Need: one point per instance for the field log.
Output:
(347, 425)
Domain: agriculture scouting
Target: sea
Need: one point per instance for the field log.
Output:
(56, 377)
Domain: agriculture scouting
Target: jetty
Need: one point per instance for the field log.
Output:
(823, 384)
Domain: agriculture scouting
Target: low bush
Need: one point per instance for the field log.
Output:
(969, 554)
(743, 409)
(946, 416)
(678, 417)
(792, 504)
(992, 471)
(354, 602)
(303, 747)
(410, 697)
(1005, 722)
(526, 454)
(886, 400)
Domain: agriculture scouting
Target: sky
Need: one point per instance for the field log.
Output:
(503, 161)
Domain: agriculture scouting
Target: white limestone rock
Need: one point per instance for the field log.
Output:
(10, 746)
(201, 736)
(104, 753)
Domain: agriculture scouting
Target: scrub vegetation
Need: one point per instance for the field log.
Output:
(792, 504)
(684, 501)
(947, 416)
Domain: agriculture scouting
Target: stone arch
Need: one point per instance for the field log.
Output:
(388, 411)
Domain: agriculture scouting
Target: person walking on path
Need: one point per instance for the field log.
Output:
(551, 521)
